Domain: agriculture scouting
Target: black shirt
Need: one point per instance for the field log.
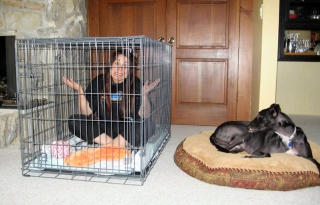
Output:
(97, 103)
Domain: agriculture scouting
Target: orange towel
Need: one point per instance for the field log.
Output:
(86, 157)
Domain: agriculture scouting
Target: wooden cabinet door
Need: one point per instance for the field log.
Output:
(127, 18)
(205, 60)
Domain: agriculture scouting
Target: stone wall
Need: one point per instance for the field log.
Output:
(9, 128)
(44, 18)
(38, 19)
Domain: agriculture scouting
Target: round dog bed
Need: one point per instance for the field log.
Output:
(200, 159)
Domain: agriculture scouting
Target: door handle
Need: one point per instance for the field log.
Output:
(171, 40)
(161, 39)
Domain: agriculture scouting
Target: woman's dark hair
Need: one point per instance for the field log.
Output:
(126, 52)
(128, 91)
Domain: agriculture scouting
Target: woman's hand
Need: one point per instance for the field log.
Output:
(145, 108)
(72, 84)
(83, 103)
(146, 88)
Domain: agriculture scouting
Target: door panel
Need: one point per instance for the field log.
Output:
(204, 74)
(127, 18)
(201, 24)
(133, 17)
(194, 81)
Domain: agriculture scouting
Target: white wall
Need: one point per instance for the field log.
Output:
(293, 85)
(264, 73)
(298, 87)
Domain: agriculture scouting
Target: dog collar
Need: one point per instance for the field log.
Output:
(293, 134)
(288, 140)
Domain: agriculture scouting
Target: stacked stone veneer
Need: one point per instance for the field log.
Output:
(44, 18)
(38, 19)
(9, 129)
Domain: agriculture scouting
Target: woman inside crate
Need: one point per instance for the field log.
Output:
(111, 109)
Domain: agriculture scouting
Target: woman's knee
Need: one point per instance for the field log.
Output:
(74, 122)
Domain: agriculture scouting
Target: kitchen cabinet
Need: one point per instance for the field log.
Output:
(299, 30)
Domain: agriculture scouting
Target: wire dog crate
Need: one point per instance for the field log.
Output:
(50, 148)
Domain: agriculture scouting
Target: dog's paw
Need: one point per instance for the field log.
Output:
(263, 155)
(267, 155)
(250, 156)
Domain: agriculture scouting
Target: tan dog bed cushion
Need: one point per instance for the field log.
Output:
(200, 159)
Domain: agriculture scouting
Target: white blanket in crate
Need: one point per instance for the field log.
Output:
(133, 163)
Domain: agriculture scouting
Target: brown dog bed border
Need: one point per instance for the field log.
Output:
(242, 177)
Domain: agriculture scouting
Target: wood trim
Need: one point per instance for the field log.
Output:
(245, 60)
(234, 30)
(93, 18)
(310, 53)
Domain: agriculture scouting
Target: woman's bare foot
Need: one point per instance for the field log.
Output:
(119, 141)
(103, 139)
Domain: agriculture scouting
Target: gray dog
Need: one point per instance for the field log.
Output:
(271, 131)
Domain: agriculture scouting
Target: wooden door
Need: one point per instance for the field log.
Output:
(127, 18)
(204, 76)
(211, 80)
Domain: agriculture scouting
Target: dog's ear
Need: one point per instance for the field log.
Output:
(275, 110)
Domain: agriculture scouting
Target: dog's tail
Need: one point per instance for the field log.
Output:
(219, 148)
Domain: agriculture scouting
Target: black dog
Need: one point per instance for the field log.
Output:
(272, 131)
